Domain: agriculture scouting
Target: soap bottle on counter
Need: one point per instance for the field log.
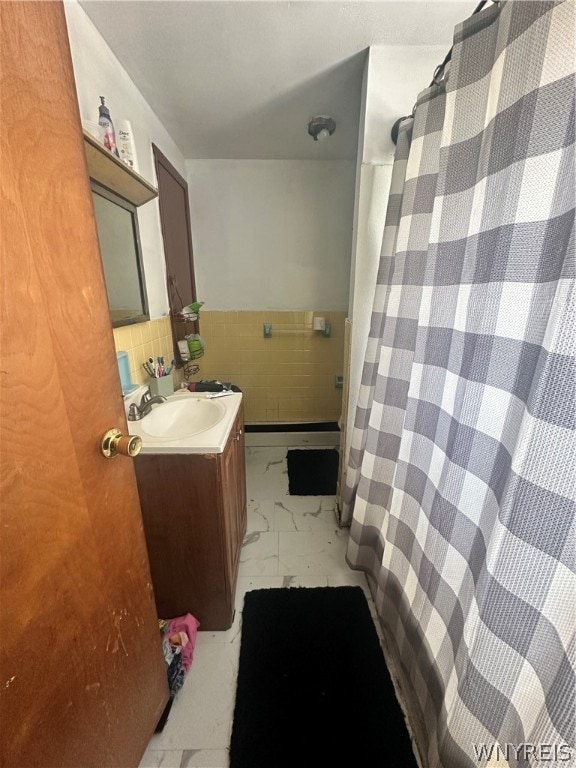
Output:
(105, 121)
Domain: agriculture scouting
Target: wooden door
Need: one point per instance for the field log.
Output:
(177, 237)
(83, 677)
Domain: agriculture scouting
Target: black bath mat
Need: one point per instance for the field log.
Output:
(313, 472)
(313, 688)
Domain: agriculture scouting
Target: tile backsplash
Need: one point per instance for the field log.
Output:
(287, 378)
(143, 340)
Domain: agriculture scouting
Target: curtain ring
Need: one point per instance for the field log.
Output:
(438, 74)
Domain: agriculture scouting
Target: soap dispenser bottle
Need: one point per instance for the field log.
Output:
(105, 122)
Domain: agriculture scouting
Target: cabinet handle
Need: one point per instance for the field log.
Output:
(238, 435)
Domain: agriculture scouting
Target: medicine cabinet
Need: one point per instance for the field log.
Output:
(117, 190)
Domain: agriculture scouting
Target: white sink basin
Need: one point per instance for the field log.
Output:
(183, 418)
(187, 423)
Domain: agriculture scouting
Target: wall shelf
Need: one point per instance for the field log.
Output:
(112, 173)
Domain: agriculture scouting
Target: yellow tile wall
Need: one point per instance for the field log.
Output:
(287, 378)
(144, 340)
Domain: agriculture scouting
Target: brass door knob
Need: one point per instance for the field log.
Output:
(114, 442)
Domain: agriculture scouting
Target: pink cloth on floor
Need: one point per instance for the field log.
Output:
(188, 624)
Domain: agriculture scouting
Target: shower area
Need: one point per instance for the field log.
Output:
(458, 483)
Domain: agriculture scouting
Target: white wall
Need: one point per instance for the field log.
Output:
(393, 78)
(98, 72)
(272, 234)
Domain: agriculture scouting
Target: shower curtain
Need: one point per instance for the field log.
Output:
(461, 478)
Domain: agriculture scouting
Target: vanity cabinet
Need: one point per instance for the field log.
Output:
(194, 512)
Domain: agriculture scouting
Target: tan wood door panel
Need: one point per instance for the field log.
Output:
(83, 678)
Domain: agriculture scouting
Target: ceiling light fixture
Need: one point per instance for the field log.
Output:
(321, 127)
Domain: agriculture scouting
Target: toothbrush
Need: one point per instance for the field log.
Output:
(211, 395)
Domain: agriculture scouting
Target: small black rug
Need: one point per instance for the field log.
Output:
(313, 472)
(313, 687)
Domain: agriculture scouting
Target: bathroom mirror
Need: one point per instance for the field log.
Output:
(119, 237)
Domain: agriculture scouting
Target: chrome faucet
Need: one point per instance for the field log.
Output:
(137, 412)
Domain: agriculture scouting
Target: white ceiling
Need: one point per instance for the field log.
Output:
(241, 79)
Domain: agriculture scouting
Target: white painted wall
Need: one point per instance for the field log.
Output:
(393, 78)
(396, 74)
(98, 72)
(272, 234)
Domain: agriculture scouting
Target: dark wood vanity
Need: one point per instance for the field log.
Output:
(194, 512)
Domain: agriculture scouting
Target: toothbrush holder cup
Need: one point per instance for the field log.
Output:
(163, 386)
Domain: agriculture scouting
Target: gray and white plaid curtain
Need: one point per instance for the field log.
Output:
(462, 473)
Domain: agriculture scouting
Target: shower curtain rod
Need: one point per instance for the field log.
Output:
(438, 72)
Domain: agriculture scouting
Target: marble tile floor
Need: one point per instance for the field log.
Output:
(291, 541)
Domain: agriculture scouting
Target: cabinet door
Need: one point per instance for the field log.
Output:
(234, 477)
(229, 469)
(180, 501)
(240, 476)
